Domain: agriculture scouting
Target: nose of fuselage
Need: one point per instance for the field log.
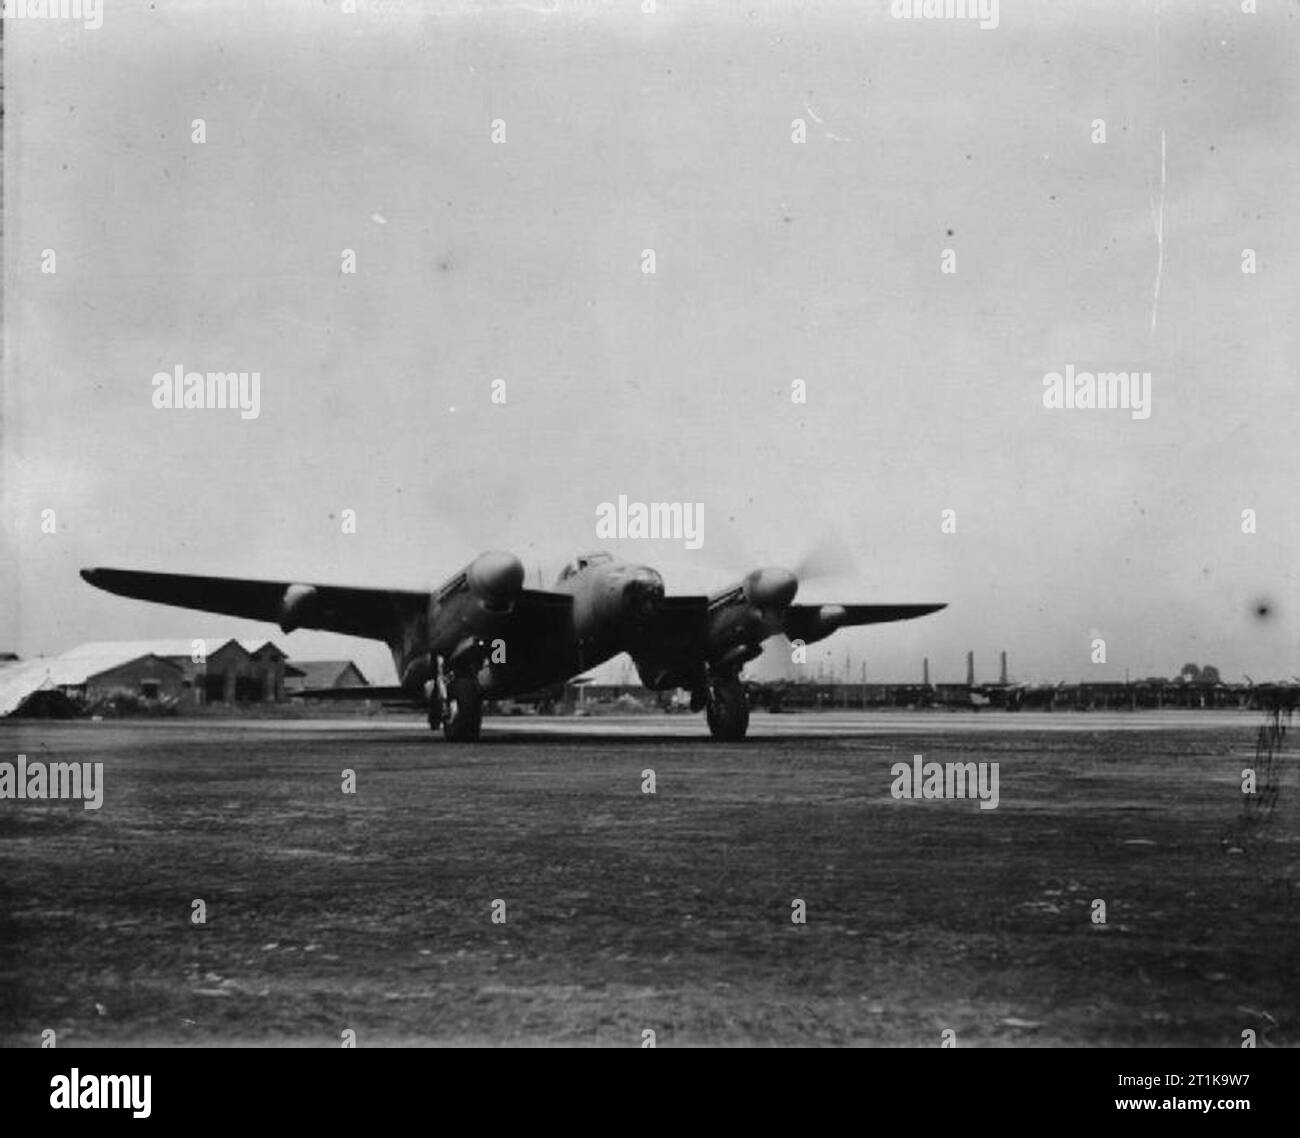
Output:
(642, 590)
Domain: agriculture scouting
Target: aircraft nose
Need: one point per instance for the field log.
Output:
(642, 592)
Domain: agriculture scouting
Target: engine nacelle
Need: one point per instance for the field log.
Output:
(495, 578)
(474, 604)
(742, 618)
(770, 588)
(825, 621)
(297, 607)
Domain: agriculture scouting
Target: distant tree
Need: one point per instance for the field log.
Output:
(1210, 674)
(1189, 674)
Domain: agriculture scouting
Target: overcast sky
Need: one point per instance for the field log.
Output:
(774, 260)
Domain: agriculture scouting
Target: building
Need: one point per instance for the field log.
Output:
(150, 677)
(309, 675)
(212, 671)
(91, 672)
(266, 668)
(188, 673)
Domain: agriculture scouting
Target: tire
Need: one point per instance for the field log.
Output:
(464, 715)
(727, 711)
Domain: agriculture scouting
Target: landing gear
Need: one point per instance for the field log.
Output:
(727, 710)
(433, 693)
(463, 715)
(455, 703)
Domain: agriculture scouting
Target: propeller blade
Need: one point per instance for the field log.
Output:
(829, 557)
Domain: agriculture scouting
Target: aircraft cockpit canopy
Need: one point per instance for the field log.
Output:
(578, 564)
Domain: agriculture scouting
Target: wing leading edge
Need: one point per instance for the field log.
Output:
(814, 622)
(377, 614)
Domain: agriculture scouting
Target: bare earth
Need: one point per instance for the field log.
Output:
(627, 911)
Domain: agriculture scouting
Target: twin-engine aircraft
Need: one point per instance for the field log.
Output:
(481, 635)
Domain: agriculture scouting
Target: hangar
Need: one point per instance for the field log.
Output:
(189, 673)
(211, 671)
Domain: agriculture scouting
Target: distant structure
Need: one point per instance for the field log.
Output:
(925, 672)
(1002, 671)
(311, 675)
(225, 671)
(970, 669)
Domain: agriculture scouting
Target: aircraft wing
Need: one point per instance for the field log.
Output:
(378, 614)
(813, 622)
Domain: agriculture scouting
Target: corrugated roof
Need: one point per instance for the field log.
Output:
(122, 651)
(325, 673)
(253, 646)
(18, 681)
(76, 666)
(105, 654)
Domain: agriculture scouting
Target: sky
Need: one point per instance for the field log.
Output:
(775, 260)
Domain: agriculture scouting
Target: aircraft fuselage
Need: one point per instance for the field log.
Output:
(613, 604)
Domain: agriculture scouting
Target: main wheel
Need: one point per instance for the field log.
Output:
(727, 711)
(434, 697)
(464, 714)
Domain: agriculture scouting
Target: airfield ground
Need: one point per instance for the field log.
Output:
(672, 911)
